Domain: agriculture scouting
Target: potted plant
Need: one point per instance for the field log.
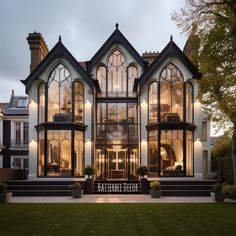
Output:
(3, 188)
(142, 171)
(155, 189)
(76, 190)
(217, 194)
(89, 185)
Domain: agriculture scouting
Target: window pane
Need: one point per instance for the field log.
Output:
(78, 155)
(133, 134)
(59, 153)
(26, 132)
(189, 153)
(132, 75)
(153, 152)
(41, 102)
(18, 133)
(100, 138)
(132, 113)
(171, 152)
(101, 77)
(112, 115)
(59, 95)
(116, 75)
(153, 101)
(79, 102)
(121, 112)
(189, 103)
(101, 113)
(41, 155)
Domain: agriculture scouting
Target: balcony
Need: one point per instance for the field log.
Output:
(19, 143)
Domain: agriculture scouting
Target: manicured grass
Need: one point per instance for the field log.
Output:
(118, 219)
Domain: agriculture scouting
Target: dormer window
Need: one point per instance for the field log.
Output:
(22, 102)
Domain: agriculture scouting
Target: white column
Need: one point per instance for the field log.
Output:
(33, 115)
(198, 148)
(143, 122)
(88, 133)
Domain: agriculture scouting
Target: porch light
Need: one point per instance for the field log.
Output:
(144, 102)
(88, 140)
(88, 102)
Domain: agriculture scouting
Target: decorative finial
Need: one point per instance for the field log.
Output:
(117, 25)
(59, 38)
(171, 38)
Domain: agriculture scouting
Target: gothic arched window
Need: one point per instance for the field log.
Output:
(117, 75)
(171, 94)
(59, 94)
(153, 102)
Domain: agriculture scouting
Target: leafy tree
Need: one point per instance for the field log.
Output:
(214, 24)
(222, 147)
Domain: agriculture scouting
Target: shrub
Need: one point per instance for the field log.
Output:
(142, 170)
(3, 187)
(89, 170)
(229, 190)
(155, 185)
(75, 186)
(217, 188)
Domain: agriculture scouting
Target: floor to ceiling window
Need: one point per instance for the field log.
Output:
(60, 125)
(170, 125)
(116, 154)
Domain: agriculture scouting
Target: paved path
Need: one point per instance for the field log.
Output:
(114, 199)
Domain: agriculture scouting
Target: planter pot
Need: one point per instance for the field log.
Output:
(218, 197)
(155, 193)
(144, 186)
(89, 186)
(77, 193)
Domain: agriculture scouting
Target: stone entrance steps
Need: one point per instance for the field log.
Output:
(40, 188)
(61, 188)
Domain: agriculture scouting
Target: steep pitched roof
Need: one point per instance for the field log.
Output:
(169, 51)
(59, 50)
(115, 38)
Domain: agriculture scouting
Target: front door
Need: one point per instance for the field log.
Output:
(116, 163)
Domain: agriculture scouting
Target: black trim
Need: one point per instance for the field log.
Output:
(58, 51)
(115, 38)
(60, 126)
(170, 126)
(169, 51)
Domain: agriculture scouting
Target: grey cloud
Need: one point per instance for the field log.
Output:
(84, 27)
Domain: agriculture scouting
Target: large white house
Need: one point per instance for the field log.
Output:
(117, 111)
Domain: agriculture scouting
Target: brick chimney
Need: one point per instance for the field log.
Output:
(38, 48)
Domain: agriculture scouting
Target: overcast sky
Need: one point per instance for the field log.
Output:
(84, 27)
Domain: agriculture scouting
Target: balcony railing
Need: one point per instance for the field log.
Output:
(19, 143)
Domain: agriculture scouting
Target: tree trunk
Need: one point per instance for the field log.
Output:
(234, 150)
(234, 39)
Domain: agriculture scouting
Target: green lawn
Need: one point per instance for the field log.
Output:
(118, 219)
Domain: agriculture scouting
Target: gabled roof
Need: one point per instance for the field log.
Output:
(169, 51)
(115, 38)
(59, 50)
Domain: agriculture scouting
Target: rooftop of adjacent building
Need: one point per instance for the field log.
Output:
(18, 105)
